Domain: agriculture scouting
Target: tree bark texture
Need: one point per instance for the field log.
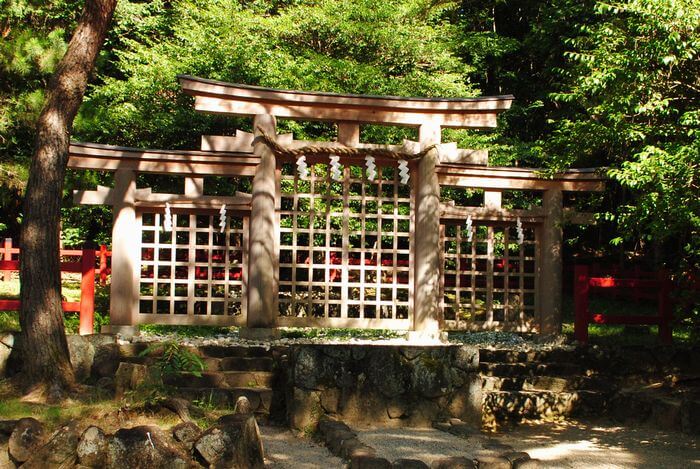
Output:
(46, 362)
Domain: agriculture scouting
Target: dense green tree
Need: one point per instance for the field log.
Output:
(34, 38)
(634, 84)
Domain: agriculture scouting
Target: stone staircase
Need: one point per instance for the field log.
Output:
(231, 372)
(521, 385)
(659, 386)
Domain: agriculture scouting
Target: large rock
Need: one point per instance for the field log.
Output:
(106, 361)
(233, 443)
(82, 354)
(186, 433)
(144, 447)
(92, 450)
(6, 429)
(431, 376)
(7, 341)
(26, 438)
(128, 377)
(59, 451)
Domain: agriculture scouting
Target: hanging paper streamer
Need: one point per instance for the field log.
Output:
(167, 218)
(371, 168)
(469, 229)
(521, 234)
(403, 171)
(302, 167)
(336, 172)
(222, 218)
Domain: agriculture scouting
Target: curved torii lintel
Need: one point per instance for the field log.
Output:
(228, 98)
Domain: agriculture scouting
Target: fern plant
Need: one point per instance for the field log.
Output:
(173, 359)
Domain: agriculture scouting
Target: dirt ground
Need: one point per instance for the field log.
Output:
(557, 445)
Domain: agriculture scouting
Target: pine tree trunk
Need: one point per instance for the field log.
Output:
(45, 359)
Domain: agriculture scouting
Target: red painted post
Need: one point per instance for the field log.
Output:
(7, 256)
(87, 292)
(665, 308)
(103, 265)
(581, 287)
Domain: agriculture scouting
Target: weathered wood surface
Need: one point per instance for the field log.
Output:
(227, 98)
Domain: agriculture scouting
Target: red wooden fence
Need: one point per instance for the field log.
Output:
(86, 267)
(660, 286)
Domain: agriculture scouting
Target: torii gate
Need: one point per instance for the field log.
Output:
(418, 302)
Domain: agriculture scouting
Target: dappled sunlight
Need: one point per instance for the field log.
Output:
(600, 444)
(568, 444)
(415, 443)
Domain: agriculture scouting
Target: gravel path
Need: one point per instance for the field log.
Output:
(604, 445)
(557, 445)
(283, 450)
(425, 444)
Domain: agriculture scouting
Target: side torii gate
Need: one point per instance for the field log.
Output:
(338, 249)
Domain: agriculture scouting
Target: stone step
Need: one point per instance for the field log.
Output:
(532, 369)
(660, 408)
(216, 364)
(517, 405)
(526, 356)
(222, 379)
(260, 398)
(223, 351)
(136, 349)
(545, 383)
(245, 364)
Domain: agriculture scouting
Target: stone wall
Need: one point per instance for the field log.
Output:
(383, 385)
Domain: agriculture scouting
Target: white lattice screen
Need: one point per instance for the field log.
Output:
(345, 248)
(194, 274)
(490, 282)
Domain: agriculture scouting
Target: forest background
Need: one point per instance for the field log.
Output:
(596, 84)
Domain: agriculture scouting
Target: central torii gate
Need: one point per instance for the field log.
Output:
(442, 164)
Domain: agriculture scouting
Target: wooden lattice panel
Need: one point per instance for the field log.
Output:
(345, 248)
(490, 282)
(193, 274)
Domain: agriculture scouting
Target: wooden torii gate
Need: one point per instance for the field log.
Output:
(421, 294)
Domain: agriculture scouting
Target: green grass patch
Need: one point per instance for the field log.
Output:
(601, 334)
(12, 408)
(9, 290)
(340, 333)
(9, 321)
(70, 289)
(187, 331)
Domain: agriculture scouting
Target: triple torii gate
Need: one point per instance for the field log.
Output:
(333, 251)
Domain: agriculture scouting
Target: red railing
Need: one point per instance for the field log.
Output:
(86, 267)
(660, 286)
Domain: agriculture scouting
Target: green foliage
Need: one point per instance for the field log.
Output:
(185, 331)
(9, 321)
(633, 79)
(340, 333)
(173, 358)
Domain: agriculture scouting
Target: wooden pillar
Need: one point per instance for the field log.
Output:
(426, 309)
(126, 242)
(7, 256)
(263, 272)
(492, 199)
(194, 187)
(550, 285)
(87, 291)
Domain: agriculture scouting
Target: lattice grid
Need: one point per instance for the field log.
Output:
(345, 247)
(195, 271)
(490, 282)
